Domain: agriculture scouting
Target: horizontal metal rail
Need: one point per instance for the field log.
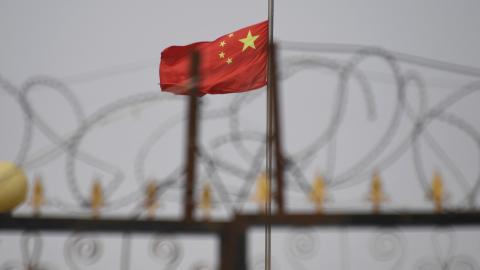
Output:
(364, 220)
(232, 234)
(8, 222)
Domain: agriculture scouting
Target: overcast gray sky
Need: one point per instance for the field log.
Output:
(80, 43)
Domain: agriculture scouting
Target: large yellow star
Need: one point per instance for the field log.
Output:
(248, 41)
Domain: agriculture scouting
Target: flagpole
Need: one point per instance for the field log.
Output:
(269, 137)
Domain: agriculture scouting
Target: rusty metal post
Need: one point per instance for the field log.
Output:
(233, 247)
(189, 202)
(277, 143)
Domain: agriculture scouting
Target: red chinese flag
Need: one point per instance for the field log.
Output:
(236, 62)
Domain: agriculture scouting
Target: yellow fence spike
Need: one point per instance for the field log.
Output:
(151, 203)
(206, 200)
(97, 200)
(261, 192)
(376, 196)
(38, 197)
(318, 194)
(437, 192)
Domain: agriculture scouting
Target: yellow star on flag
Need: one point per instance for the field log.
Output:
(222, 44)
(248, 41)
(221, 55)
(229, 61)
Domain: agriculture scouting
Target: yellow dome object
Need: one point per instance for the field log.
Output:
(13, 186)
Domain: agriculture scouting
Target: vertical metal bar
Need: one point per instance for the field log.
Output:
(189, 205)
(241, 248)
(225, 250)
(269, 137)
(277, 142)
(233, 247)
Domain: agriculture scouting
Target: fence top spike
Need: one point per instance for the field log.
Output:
(97, 193)
(437, 186)
(261, 193)
(206, 199)
(318, 192)
(376, 195)
(38, 197)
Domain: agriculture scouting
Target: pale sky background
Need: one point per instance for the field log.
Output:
(105, 51)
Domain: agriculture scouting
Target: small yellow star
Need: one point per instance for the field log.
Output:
(248, 41)
(223, 43)
(229, 61)
(231, 35)
(221, 55)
